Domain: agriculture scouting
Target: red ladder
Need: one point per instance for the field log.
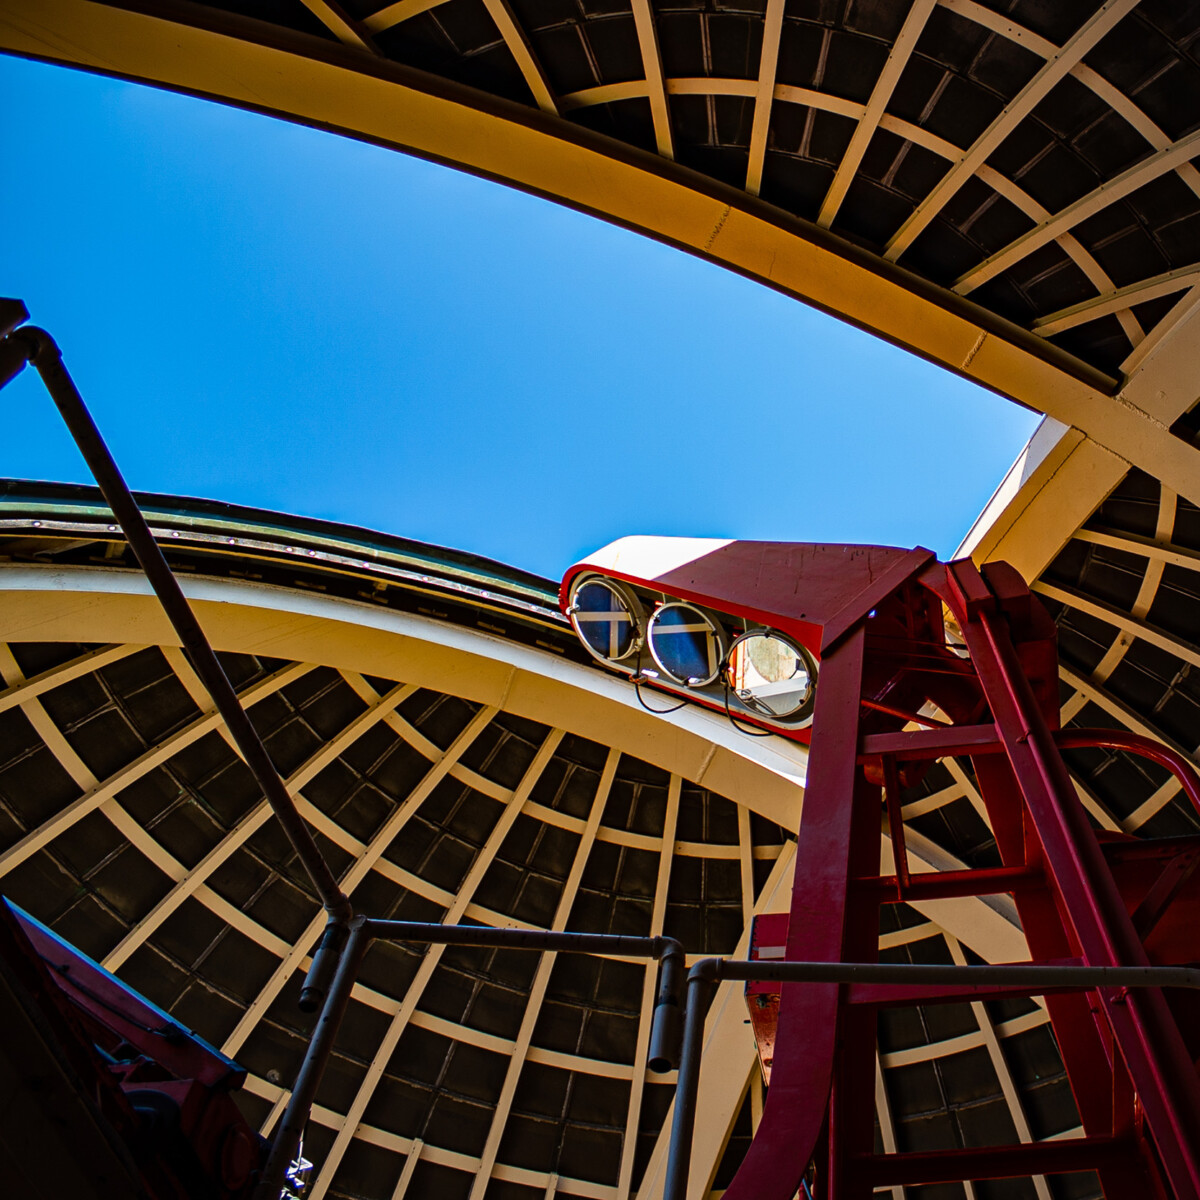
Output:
(1129, 1056)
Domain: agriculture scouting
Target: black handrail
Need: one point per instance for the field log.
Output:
(29, 344)
(705, 974)
(665, 1029)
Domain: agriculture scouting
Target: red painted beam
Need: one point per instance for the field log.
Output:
(948, 885)
(922, 744)
(992, 1162)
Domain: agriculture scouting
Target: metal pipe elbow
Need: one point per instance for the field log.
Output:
(40, 345)
(666, 1030)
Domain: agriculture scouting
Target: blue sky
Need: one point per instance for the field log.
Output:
(273, 316)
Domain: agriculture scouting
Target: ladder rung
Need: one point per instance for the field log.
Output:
(991, 1162)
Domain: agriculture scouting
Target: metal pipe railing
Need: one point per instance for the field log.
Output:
(346, 938)
(665, 1029)
(286, 1139)
(705, 974)
(1135, 743)
(29, 344)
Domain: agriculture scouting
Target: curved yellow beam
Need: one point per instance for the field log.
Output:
(339, 88)
(117, 607)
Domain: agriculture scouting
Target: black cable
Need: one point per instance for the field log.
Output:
(637, 687)
(744, 729)
(658, 712)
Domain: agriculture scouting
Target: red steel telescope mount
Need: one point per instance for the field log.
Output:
(913, 660)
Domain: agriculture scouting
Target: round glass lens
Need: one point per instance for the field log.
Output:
(604, 620)
(686, 644)
(770, 675)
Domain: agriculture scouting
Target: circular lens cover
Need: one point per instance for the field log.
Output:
(772, 676)
(607, 618)
(687, 644)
